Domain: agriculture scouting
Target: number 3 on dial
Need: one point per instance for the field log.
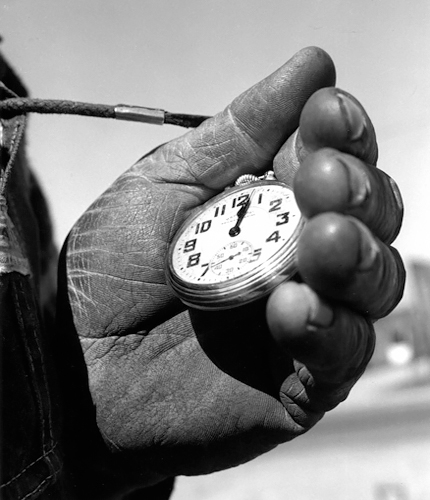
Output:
(237, 247)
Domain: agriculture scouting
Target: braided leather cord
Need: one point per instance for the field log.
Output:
(20, 105)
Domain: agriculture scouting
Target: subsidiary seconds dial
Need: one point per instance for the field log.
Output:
(237, 247)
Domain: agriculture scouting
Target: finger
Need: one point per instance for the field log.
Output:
(331, 118)
(340, 259)
(331, 344)
(245, 137)
(331, 181)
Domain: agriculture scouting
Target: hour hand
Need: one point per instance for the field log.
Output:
(235, 230)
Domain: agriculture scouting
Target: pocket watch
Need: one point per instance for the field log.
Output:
(238, 246)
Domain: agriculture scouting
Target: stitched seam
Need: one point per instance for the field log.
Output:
(42, 457)
(39, 486)
(30, 360)
(44, 375)
(16, 137)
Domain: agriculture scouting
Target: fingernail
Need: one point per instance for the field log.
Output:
(358, 182)
(321, 315)
(369, 248)
(354, 116)
(397, 194)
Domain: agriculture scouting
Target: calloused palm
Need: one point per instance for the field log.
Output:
(178, 391)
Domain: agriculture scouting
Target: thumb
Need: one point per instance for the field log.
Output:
(246, 136)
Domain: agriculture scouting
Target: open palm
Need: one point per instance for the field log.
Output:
(179, 391)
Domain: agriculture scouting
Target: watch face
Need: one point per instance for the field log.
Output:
(237, 247)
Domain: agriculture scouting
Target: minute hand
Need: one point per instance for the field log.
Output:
(235, 230)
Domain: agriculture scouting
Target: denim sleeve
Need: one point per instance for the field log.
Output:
(35, 453)
(31, 458)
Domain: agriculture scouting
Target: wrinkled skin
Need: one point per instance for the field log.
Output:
(178, 391)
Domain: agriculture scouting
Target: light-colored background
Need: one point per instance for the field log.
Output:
(376, 446)
(195, 56)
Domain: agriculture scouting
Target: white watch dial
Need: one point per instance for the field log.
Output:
(233, 243)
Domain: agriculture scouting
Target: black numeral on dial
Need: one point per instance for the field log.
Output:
(283, 218)
(240, 200)
(219, 210)
(206, 266)
(256, 254)
(190, 245)
(202, 227)
(275, 205)
(274, 237)
(193, 260)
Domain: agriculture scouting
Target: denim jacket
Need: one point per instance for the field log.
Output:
(31, 460)
(32, 418)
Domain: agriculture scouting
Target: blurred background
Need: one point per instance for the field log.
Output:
(195, 57)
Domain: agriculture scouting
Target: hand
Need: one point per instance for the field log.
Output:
(235, 230)
(179, 391)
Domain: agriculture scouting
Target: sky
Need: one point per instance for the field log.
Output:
(195, 56)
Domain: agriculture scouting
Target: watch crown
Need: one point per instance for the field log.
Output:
(246, 179)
